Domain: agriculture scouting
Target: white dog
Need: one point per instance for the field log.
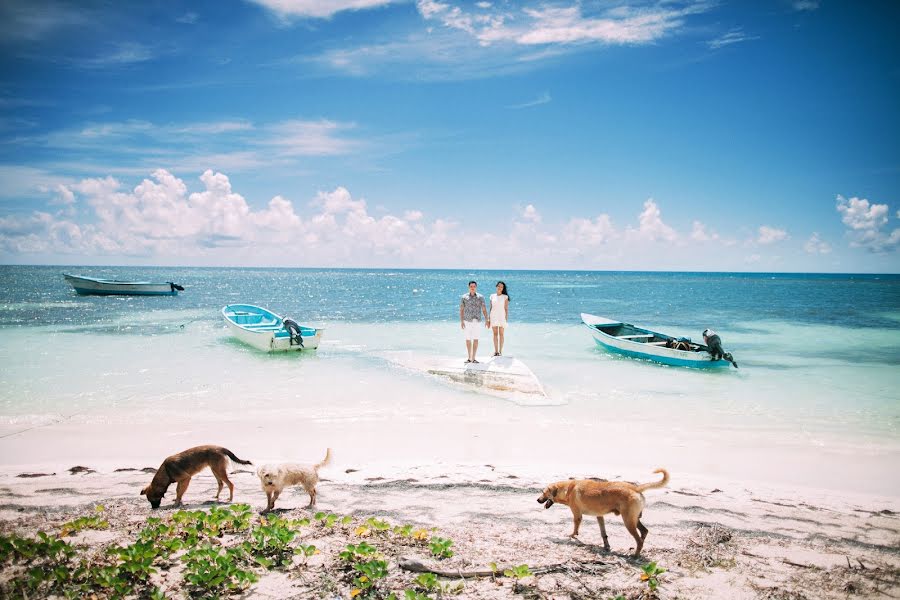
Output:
(274, 478)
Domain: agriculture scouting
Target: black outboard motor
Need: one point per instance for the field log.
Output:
(714, 347)
(175, 286)
(293, 327)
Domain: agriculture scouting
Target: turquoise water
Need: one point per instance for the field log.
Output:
(817, 391)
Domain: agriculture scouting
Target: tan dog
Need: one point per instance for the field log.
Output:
(597, 498)
(184, 465)
(274, 478)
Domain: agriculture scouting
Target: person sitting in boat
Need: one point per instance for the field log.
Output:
(679, 344)
(714, 346)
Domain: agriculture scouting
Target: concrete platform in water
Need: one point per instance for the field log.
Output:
(498, 373)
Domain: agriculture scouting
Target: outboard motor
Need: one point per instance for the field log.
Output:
(175, 286)
(294, 328)
(714, 347)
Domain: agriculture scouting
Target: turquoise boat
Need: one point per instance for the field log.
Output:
(635, 342)
(263, 329)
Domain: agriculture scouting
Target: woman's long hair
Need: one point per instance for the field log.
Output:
(504, 290)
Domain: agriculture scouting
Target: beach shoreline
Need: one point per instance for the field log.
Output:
(728, 541)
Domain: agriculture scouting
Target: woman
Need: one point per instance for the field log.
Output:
(499, 316)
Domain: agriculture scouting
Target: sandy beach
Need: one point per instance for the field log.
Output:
(731, 541)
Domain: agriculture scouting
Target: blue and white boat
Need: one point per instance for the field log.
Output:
(266, 331)
(626, 339)
(91, 286)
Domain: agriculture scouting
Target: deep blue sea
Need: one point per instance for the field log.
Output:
(817, 392)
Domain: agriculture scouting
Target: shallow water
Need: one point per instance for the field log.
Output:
(817, 389)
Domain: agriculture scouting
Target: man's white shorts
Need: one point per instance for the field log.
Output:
(473, 330)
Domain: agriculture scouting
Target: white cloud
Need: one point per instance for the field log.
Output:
(310, 138)
(638, 24)
(735, 36)
(805, 5)
(587, 232)
(699, 233)
(33, 20)
(320, 9)
(544, 98)
(770, 235)
(815, 245)
(651, 226)
(531, 214)
(859, 214)
(188, 18)
(120, 55)
(865, 222)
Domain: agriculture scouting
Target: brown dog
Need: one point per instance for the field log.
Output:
(597, 498)
(184, 465)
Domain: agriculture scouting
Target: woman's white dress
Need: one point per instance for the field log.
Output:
(498, 310)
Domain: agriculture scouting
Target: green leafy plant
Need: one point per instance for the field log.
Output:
(270, 542)
(212, 570)
(427, 581)
(651, 573)
(136, 560)
(440, 547)
(518, 573)
(357, 551)
(90, 522)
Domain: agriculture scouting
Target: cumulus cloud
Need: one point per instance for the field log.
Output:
(590, 232)
(770, 235)
(530, 213)
(699, 233)
(866, 222)
(859, 214)
(815, 245)
(320, 9)
(651, 226)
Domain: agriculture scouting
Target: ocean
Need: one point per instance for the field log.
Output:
(816, 400)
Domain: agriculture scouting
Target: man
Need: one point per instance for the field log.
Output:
(471, 308)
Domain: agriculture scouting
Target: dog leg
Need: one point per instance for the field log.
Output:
(576, 517)
(180, 489)
(638, 540)
(644, 531)
(219, 491)
(312, 497)
(603, 533)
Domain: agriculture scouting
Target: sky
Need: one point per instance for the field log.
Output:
(693, 135)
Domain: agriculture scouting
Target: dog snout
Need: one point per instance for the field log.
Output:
(542, 499)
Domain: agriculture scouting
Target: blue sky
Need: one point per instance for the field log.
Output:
(675, 135)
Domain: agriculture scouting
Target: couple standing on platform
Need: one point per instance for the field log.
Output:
(472, 307)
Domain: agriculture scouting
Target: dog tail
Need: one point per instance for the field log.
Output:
(325, 460)
(656, 484)
(231, 455)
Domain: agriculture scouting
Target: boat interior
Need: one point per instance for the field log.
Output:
(626, 331)
(261, 322)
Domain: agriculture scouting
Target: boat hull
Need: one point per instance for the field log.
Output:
(697, 359)
(264, 330)
(89, 286)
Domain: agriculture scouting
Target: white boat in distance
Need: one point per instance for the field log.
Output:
(91, 286)
(636, 342)
(266, 331)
